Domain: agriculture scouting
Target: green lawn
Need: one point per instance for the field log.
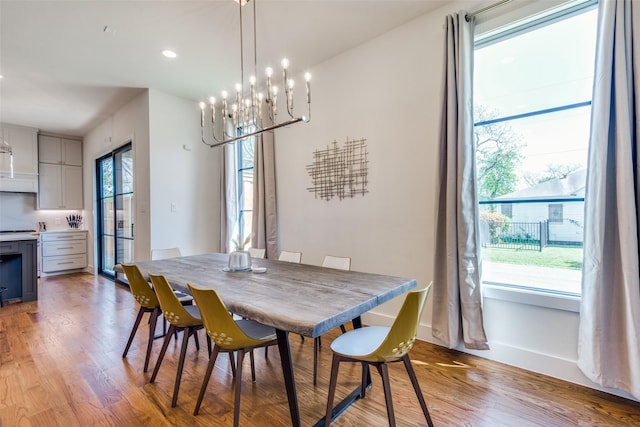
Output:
(556, 257)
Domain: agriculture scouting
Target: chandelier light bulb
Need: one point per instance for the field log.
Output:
(291, 83)
(234, 107)
(212, 100)
(252, 80)
(224, 94)
(202, 105)
(274, 90)
(269, 71)
(238, 87)
(307, 76)
(285, 63)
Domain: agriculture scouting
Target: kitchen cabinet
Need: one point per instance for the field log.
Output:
(18, 266)
(63, 250)
(24, 145)
(60, 173)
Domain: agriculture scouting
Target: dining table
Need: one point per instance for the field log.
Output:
(292, 298)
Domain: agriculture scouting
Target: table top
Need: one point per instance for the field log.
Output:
(300, 298)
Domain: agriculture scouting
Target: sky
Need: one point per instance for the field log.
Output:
(543, 68)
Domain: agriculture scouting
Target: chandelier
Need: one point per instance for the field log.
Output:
(251, 112)
(5, 148)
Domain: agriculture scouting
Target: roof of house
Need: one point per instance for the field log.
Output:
(570, 186)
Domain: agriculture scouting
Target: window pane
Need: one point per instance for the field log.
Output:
(532, 111)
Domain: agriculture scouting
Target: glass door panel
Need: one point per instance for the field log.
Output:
(116, 209)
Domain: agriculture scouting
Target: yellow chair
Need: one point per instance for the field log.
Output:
(146, 298)
(180, 318)
(378, 346)
(229, 335)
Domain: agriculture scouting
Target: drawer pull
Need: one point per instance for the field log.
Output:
(61, 249)
(67, 262)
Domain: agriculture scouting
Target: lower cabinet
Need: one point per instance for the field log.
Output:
(65, 250)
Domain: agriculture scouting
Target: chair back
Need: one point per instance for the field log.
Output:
(165, 253)
(142, 292)
(403, 332)
(290, 256)
(172, 308)
(338, 262)
(257, 252)
(220, 326)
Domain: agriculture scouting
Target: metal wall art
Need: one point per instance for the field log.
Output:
(339, 171)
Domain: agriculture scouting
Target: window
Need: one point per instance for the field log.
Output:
(532, 94)
(555, 212)
(245, 152)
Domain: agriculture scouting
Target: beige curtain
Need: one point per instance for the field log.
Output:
(264, 222)
(609, 341)
(457, 296)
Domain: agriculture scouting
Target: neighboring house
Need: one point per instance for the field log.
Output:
(557, 203)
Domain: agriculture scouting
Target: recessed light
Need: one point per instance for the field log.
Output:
(169, 53)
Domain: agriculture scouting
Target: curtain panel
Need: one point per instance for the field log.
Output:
(609, 341)
(264, 221)
(457, 296)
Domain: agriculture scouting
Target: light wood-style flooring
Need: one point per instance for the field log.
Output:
(61, 365)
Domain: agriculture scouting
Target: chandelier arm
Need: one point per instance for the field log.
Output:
(257, 132)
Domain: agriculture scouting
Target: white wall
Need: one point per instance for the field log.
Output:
(158, 125)
(388, 91)
(129, 124)
(185, 178)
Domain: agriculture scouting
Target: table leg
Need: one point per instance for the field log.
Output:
(287, 370)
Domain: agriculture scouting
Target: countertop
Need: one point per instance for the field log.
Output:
(11, 237)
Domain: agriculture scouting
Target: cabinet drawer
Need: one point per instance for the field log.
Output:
(64, 236)
(64, 262)
(9, 247)
(69, 247)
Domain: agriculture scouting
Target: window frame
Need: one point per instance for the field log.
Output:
(517, 293)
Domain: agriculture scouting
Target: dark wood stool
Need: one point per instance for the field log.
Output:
(2, 289)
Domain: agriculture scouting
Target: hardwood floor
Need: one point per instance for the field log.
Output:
(61, 365)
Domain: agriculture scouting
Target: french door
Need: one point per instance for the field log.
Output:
(115, 208)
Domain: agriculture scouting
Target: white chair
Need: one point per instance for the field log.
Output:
(337, 262)
(165, 253)
(256, 252)
(290, 256)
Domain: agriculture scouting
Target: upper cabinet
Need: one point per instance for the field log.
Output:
(24, 145)
(60, 173)
(60, 151)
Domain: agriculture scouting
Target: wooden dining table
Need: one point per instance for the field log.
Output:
(304, 299)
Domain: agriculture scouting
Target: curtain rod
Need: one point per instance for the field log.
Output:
(485, 9)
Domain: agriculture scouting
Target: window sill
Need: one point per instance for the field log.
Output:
(520, 295)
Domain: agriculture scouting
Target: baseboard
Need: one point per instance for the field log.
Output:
(546, 364)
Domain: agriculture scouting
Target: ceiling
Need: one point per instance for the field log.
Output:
(68, 65)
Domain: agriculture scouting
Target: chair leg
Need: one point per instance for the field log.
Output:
(365, 376)
(236, 409)
(207, 376)
(153, 320)
(416, 387)
(195, 337)
(384, 373)
(133, 331)
(316, 349)
(165, 344)
(183, 353)
(232, 360)
(253, 367)
(335, 364)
